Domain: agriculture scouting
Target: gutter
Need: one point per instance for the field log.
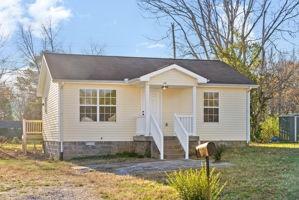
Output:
(60, 108)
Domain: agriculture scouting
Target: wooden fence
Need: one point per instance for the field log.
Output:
(32, 133)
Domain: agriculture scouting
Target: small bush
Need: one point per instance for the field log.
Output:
(269, 129)
(218, 153)
(193, 184)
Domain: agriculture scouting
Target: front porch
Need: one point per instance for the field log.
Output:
(168, 113)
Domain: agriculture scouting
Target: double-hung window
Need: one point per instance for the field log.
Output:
(97, 105)
(88, 105)
(107, 105)
(211, 107)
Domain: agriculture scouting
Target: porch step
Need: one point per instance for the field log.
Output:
(173, 148)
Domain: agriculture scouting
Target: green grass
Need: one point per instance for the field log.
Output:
(260, 171)
(18, 147)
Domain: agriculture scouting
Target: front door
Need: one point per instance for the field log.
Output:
(155, 104)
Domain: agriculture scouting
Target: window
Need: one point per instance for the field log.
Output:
(97, 105)
(107, 105)
(211, 107)
(88, 105)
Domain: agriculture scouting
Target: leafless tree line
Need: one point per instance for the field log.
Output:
(242, 33)
(206, 27)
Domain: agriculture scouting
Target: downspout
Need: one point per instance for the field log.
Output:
(60, 108)
(248, 116)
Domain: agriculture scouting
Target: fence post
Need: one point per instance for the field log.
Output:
(24, 138)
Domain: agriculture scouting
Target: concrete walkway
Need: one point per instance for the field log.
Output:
(153, 166)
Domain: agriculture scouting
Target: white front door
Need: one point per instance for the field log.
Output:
(155, 104)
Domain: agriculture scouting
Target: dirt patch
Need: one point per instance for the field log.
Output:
(50, 193)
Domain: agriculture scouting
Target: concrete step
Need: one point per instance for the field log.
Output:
(170, 151)
(173, 148)
(174, 156)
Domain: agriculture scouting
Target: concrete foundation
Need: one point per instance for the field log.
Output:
(142, 145)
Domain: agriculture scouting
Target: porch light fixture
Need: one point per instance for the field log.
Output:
(164, 86)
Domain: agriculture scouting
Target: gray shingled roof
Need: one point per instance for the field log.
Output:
(90, 67)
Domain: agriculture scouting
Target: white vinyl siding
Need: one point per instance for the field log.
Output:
(128, 106)
(232, 115)
(51, 116)
(173, 77)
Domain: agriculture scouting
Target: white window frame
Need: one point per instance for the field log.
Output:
(211, 91)
(98, 100)
(98, 105)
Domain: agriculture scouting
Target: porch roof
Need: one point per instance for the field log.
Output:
(118, 68)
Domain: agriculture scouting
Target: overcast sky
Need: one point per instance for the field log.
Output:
(117, 24)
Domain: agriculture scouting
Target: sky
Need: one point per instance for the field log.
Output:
(119, 25)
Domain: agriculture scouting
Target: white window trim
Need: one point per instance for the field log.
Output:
(98, 105)
(203, 118)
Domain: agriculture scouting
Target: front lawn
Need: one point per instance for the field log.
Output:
(263, 171)
(268, 171)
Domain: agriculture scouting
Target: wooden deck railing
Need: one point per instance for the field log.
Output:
(32, 133)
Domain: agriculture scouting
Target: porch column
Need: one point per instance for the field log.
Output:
(147, 108)
(194, 110)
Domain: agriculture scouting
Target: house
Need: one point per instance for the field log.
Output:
(98, 105)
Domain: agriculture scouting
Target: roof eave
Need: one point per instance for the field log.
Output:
(230, 85)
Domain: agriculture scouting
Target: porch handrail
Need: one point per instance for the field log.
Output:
(182, 135)
(32, 130)
(187, 122)
(157, 134)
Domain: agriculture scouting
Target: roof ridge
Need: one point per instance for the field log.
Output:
(77, 54)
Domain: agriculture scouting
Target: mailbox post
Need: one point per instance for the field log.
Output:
(206, 150)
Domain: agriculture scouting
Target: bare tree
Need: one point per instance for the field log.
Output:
(31, 48)
(208, 27)
(50, 37)
(286, 79)
(3, 57)
(28, 43)
(27, 46)
(242, 33)
(94, 48)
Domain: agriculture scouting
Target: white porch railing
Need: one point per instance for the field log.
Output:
(157, 135)
(182, 135)
(140, 125)
(187, 122)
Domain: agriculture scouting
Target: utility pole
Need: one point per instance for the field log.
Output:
(173, 41)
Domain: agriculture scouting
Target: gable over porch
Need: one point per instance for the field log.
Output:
(169, 104)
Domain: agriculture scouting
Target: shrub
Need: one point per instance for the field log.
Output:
(193, 184)
(269, 129)
(218, 153)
